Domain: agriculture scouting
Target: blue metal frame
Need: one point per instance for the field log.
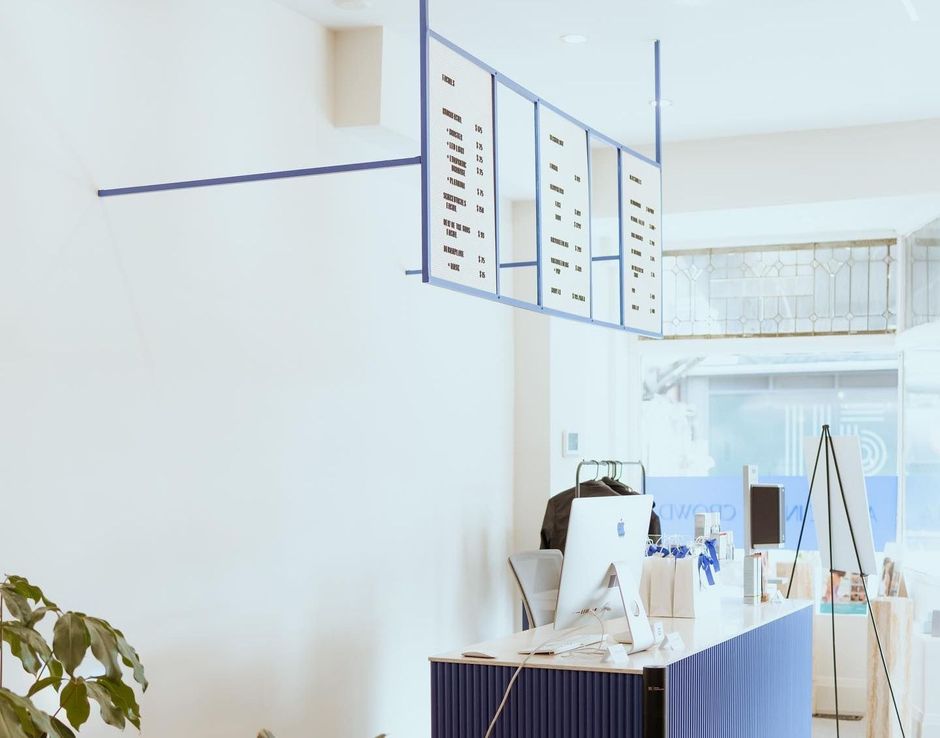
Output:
(590, 226)
(498, 266)
(425, 181)
(533, 97)
(659, 103)
(538, 206)
(659, 160)
(262, 176)
(538, 103)
(623, 277)
(426, 33)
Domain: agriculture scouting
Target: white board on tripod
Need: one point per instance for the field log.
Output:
(848, 454)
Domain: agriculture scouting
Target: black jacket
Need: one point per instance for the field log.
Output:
(558, 511)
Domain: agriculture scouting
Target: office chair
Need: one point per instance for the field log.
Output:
(538, 574)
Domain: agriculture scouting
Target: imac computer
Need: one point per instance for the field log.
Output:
(603, 565)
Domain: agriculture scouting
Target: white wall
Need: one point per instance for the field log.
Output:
(871, 181)
(570, 376)
(793, 167)
(228, 422)
(595, 391)
(576, 377)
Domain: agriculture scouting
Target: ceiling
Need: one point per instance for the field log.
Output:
(731, 67)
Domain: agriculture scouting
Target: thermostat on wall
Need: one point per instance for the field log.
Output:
(571, 445)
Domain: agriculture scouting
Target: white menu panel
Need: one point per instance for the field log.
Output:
(641, 225)
(565, 217)
(460, 170)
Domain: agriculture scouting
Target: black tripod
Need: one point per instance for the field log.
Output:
(825, 441)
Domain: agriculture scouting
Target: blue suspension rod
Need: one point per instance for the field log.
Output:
(262, 176)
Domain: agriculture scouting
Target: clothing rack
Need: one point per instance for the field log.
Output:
(611, 464)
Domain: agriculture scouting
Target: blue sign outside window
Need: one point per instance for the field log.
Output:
(679, 498)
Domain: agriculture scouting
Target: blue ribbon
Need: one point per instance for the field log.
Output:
(705, 564)
(680, 552)
(654, 549)
(713, 554)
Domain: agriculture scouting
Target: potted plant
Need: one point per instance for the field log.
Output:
(59, 667)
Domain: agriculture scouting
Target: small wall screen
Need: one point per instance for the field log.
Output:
(767, 515)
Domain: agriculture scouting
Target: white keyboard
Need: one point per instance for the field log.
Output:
(566, 644)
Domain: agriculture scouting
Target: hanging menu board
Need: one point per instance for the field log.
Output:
(467, 161)
(462, 238)
(640, 225)
(564, 217)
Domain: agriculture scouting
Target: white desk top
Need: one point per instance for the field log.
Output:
(698, 635)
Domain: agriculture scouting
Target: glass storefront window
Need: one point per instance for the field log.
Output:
(921, 398)
(705, 418)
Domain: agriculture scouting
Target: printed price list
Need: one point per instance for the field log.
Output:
(565, 216)
(642, 244)
(461, 170)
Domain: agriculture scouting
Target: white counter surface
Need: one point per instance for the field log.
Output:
(698, 634)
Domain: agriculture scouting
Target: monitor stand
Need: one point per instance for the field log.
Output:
(639, 633)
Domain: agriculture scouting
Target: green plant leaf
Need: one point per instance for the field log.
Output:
(22, 585)
(131, 659)
(32, 718)
(16, 603)
(123, 697)
(43, 683)
(61, 729)
(104, 646)
(70, 641)
(10, 726)
(32, 638)
(20, 650)
(31, 591)
(38, 614)
(110, 712)
(74, 700)
(55, 669)
(12, 705)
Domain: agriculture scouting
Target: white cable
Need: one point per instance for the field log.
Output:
(555, 637)
(589, 648)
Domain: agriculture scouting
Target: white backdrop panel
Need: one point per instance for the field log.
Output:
(849, 455)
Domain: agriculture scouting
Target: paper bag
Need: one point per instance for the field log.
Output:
(695, 591)
(645, 582)
(662, 573)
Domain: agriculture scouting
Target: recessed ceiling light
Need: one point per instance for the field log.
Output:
(353, 4)
(664, 102)
(574, 38)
